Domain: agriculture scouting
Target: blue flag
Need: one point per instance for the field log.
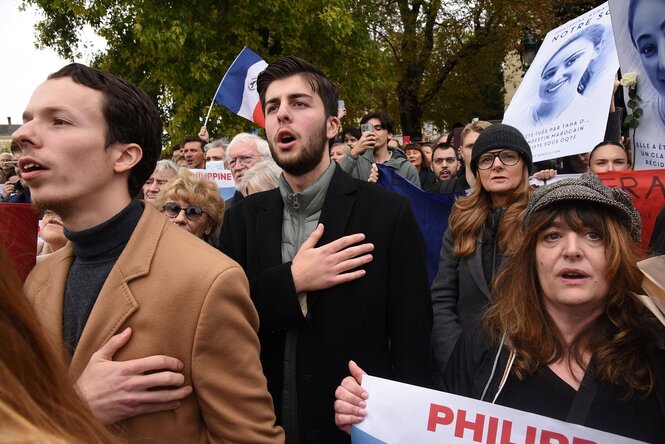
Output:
(432, 211)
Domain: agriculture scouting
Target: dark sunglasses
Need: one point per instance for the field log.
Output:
(192, 212)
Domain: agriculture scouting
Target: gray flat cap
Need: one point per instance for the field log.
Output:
(587, 188)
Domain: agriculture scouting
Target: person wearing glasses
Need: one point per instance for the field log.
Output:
(444, 165)
(192, 203)
(483, 228)
(244, 151)
(464, 179)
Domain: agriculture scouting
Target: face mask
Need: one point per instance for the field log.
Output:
(215, 165)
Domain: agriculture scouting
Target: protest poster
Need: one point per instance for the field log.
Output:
(647, 189)
(563, 102)
(638, 29)
(402, 413)
(222, 178)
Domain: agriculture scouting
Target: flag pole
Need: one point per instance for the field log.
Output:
(205, 124)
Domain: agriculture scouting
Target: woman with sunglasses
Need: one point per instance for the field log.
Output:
(482, 229)
(192, 203)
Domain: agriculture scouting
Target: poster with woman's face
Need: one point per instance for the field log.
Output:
(563, 102)
(639, 28)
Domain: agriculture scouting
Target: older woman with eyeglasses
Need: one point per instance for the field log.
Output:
(192, 203)
(483, 228)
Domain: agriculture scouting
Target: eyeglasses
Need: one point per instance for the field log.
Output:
(507, 157)
(192, 212)
(448, 160)
(245, 160)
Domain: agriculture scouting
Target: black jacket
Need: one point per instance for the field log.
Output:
(474, 370)
(382, 320)
(460, 290)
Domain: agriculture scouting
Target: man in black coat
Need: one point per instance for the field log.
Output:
(336, 266)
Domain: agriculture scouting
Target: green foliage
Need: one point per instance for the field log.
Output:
(434, 59)
(179, 51)
(447, 55)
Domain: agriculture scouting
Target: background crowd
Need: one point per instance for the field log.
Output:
(310, 265)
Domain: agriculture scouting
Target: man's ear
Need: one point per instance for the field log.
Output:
(390, 135)
(127, 156)
(332, 127)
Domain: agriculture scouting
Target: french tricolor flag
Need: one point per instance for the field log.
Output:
(237, 91)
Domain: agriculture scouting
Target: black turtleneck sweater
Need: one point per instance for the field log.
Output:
(95, 252)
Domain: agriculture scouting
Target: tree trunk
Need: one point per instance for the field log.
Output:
(410, 115)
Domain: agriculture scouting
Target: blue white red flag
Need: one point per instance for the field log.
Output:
(237, 90)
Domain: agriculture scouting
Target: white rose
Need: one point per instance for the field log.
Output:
(629, 79)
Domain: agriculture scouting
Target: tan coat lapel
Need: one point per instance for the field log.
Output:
(47, 296)
(116, 302)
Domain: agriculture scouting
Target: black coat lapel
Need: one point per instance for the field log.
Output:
(337, 206)
(269, 231)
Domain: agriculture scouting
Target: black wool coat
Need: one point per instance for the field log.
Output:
(382, 321)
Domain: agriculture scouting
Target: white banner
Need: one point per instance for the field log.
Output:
(402, 413)
(563, 102)
(638, 29)
(222, 178)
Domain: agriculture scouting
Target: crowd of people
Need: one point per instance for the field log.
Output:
(177, 316)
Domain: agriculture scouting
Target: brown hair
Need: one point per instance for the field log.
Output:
(289, 66)
(470, 213)
(424, 163)
(36, 397)
(618, 338)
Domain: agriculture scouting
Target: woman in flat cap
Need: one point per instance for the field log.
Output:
(565, 336)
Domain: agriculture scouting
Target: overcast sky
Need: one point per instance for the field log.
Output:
(24, 67)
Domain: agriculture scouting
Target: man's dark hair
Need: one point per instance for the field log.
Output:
(130, 115)
(444, 146)
(385, 119)
(193, 139)
(354, 132)
(290, 66)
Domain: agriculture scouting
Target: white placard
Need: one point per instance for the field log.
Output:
(222, 178)
(641, 52)
(402, 413)
(563, 102)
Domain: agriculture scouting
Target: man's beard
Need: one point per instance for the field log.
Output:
(443, 176)
(308, 158)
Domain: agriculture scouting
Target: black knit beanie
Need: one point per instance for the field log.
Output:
(501, 136)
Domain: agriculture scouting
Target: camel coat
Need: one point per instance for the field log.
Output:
(184, 299)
